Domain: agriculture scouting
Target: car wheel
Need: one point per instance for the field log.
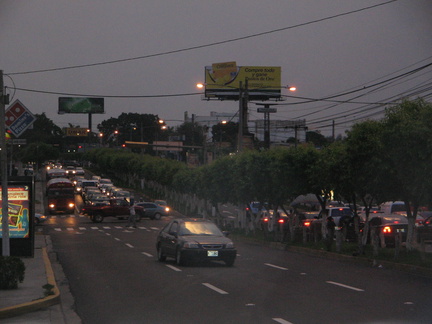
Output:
(98, 218)
(157, 216)
(179, 260)
(161, 257)
(229, 262)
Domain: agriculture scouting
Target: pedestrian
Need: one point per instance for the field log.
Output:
(331, 226)
(132, 218)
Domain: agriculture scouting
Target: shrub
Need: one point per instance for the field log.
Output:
(12, 271)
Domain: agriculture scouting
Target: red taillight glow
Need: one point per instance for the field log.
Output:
(387, 229)
(281, 221)
(265, 219)
(307, 224)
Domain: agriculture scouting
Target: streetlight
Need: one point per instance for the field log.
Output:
(267, 110)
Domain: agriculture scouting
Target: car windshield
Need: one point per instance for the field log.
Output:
(199, 228)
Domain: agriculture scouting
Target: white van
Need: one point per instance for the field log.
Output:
(392, 207)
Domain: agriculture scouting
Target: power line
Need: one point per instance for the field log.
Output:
(205, 45)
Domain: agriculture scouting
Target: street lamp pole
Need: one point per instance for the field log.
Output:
(4, 176)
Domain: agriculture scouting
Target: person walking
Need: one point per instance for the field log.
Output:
(331, 226)
(132, 216)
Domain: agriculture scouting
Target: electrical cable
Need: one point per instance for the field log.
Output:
(206, 45)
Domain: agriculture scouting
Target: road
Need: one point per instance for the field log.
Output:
(115, 278)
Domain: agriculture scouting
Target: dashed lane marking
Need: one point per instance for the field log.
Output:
(147, 254)
(281, 320)
(344, 286)
(220, 291)
(129, 245)
(275, 266)
(173, 268)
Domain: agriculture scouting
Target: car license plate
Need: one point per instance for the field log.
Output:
(212, 253)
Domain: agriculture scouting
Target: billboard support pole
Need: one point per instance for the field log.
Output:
(240, 126)
(3, 169)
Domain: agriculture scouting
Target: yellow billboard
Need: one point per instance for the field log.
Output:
(223, 80)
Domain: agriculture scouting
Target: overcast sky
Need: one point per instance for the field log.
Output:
(324, 48)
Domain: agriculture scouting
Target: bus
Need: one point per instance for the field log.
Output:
(60, 195)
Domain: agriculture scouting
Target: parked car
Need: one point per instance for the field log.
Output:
(153, 210)
(388, 226)
(254, 207)
(194, 239)
(40, 218)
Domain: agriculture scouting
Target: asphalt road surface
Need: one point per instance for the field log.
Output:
(115, 278)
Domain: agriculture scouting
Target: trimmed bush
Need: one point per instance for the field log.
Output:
(12, 271)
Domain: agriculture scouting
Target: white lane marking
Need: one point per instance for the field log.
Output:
(344, 286)
(70, 228)
(147, 254)
(129, 245)
(117, 239)
(220, 291)
(155, 228)
(106, 227)
(172, 267)
(53, 217)
(281, 320)
(142, 227)
(82, 228)
(118, 226)
(108, 234)
(94, 227)
(57, 229)
(275, 266)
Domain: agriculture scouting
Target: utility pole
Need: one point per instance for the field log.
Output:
(4, 176)
(243, 107)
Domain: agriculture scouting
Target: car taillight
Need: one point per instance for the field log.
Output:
(265, 219)
(387, 230)
(307, 224)
(281, 221)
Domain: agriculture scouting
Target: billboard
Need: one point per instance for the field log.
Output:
(76, 131)
(222, 81)
(79, 105)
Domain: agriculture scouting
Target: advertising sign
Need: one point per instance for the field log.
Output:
(79, 105)
(76, 131)
(19, 211)
(18, 118)
(223, 81)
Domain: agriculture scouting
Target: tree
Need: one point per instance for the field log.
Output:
(44, 130)
(316, 139)
(407, 142)
(131, 127)
(39, 152)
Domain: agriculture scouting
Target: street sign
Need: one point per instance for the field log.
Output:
(264, 110)
(18, 118)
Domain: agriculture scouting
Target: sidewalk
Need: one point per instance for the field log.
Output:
(28, 303)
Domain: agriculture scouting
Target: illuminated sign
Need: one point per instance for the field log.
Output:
(78, 105)
(222, 81)
(19, 211)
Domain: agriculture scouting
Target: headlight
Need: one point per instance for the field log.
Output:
(167, 209)
(51, 205)
(190, 245)
(71, 205)
(229, 245)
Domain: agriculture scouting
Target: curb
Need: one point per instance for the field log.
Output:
(39, 303)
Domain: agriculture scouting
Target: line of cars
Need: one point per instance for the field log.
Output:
(388, 221)
(103, 199)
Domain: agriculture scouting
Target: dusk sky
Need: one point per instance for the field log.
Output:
(347, 58)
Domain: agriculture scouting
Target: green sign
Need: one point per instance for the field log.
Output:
(79, 105)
